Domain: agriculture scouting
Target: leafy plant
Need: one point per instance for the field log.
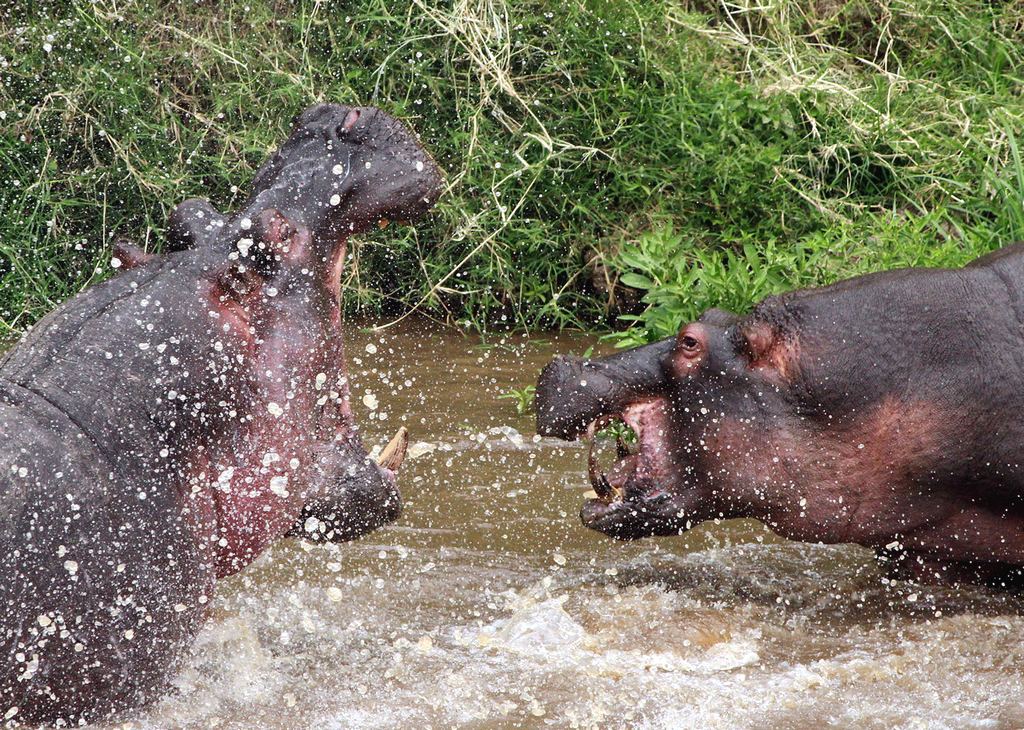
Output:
(680, 279)
(522, 399)
(617, 431)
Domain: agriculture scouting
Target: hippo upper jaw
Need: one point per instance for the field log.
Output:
(573, 393)
(341, 171)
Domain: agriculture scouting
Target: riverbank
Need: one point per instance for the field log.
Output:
(603, 157)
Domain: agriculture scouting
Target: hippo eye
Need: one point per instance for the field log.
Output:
(690, 344)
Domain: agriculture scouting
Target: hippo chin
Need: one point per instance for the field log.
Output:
(887, 410)
(162, 429)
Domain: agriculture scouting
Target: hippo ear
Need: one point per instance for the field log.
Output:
(193, 222)
(273, 237)
(769, 350)
(128, 256)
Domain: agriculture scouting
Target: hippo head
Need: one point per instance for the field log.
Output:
(695, 403)
(274, 271)
(341, 170)
(344, 169)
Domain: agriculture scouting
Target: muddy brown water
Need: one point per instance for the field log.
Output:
(488, 605)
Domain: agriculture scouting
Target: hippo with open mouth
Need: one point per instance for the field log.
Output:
(887, 410)
(163, 428)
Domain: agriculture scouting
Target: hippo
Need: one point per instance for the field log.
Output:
(161, 429)
(886, 410)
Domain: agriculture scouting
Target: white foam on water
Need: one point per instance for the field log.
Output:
(587, 652)
(539, 628)
(228, 670)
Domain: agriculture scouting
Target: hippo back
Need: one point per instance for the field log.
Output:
(102, 579)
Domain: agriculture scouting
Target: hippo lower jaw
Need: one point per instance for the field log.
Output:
(362, 492)
(632, 497)
(355, 510)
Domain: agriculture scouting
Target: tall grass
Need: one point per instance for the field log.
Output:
(675, 144)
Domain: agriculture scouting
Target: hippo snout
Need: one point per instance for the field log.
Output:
(572, 392)
(569, 396)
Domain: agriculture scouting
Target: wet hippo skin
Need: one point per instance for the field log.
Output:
(886, 410)
(162, 428)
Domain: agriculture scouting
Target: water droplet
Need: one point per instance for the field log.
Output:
(279, 485)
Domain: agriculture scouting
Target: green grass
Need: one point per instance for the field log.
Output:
(680, 279)
(702, 153)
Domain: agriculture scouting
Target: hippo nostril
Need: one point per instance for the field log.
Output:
(350, 121)
(658, 496)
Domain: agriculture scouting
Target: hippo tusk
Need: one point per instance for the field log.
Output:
(598, 480)
(392, 455)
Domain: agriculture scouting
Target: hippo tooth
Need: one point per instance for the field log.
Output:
(603, 488)
(592, 467)
(598, 481)
(392, 455)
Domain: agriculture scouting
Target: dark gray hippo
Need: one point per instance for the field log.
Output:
(161, 429)
(887, 410)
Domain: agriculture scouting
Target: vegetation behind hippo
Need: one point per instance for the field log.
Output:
(698, 157)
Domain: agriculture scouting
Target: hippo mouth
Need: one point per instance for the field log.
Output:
(631, 498)
(645, 491)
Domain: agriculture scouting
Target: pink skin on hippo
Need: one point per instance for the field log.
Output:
(886, 410)
(163, 428)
